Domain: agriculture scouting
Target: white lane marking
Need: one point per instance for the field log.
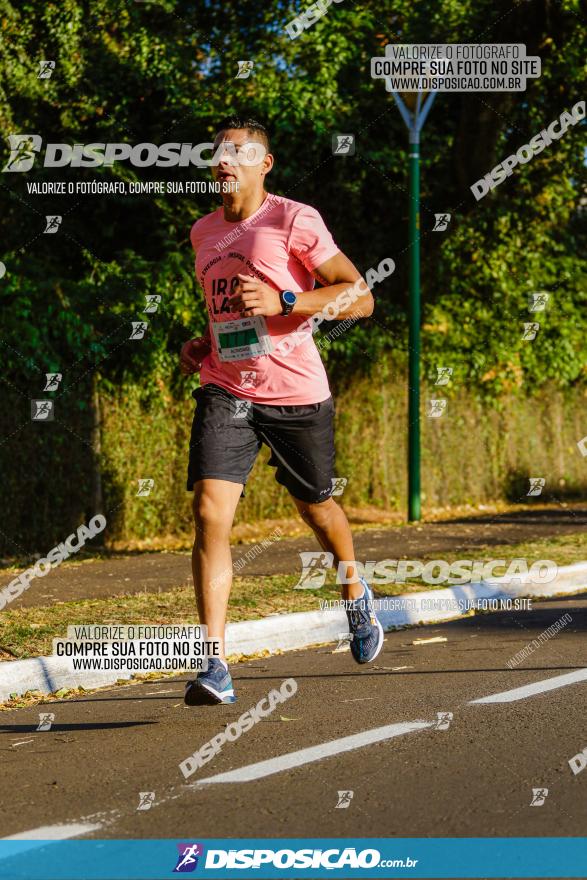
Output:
(22, 742)
(55, 832)
(538, 687)
(315, 753)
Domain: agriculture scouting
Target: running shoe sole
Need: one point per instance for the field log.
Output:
(198, 694)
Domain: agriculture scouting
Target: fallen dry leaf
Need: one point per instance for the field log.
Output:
(430, 641)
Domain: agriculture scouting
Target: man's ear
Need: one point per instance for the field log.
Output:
(267, 163)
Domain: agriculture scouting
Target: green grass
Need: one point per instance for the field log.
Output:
(563, 550)
(28, 632)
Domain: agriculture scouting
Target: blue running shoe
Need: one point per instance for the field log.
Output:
(210, 687)
(366, 630)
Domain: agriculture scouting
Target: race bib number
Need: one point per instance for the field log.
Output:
(242, 339)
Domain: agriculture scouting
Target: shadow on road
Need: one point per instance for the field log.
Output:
(554, 517)
(60, 728)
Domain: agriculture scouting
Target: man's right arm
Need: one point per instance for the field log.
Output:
(195, 350)
(193, 353)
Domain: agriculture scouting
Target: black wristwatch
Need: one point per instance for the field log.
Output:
(288, 300)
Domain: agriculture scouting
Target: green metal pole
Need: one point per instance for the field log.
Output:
(414, 334)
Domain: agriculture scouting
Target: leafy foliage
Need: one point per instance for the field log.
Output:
(158, 71)
(165, 71)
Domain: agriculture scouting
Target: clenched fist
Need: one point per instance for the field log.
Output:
(192, 354)
(253, 297)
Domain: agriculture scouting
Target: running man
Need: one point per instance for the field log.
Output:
(257, 259)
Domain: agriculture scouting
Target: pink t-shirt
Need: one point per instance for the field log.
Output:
(280, 244)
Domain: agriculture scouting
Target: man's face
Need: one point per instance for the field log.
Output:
(242, 159)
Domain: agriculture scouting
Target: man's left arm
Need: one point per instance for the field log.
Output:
(344, 288)
(337, 275)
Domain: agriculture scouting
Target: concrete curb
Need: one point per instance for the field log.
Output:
(287, 632)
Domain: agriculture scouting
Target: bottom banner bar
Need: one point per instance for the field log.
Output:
(479, 857)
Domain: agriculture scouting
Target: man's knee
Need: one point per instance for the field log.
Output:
(319, 515)
(209, 512)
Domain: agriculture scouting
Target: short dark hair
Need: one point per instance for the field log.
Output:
(251, 125)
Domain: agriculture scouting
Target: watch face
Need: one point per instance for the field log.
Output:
(289, 297)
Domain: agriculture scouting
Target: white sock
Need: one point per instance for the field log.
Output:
(363, 594)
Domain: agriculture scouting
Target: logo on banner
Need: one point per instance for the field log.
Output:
(23, 149)
(187, 860)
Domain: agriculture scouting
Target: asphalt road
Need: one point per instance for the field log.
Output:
(156, 572)
(474, 778)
